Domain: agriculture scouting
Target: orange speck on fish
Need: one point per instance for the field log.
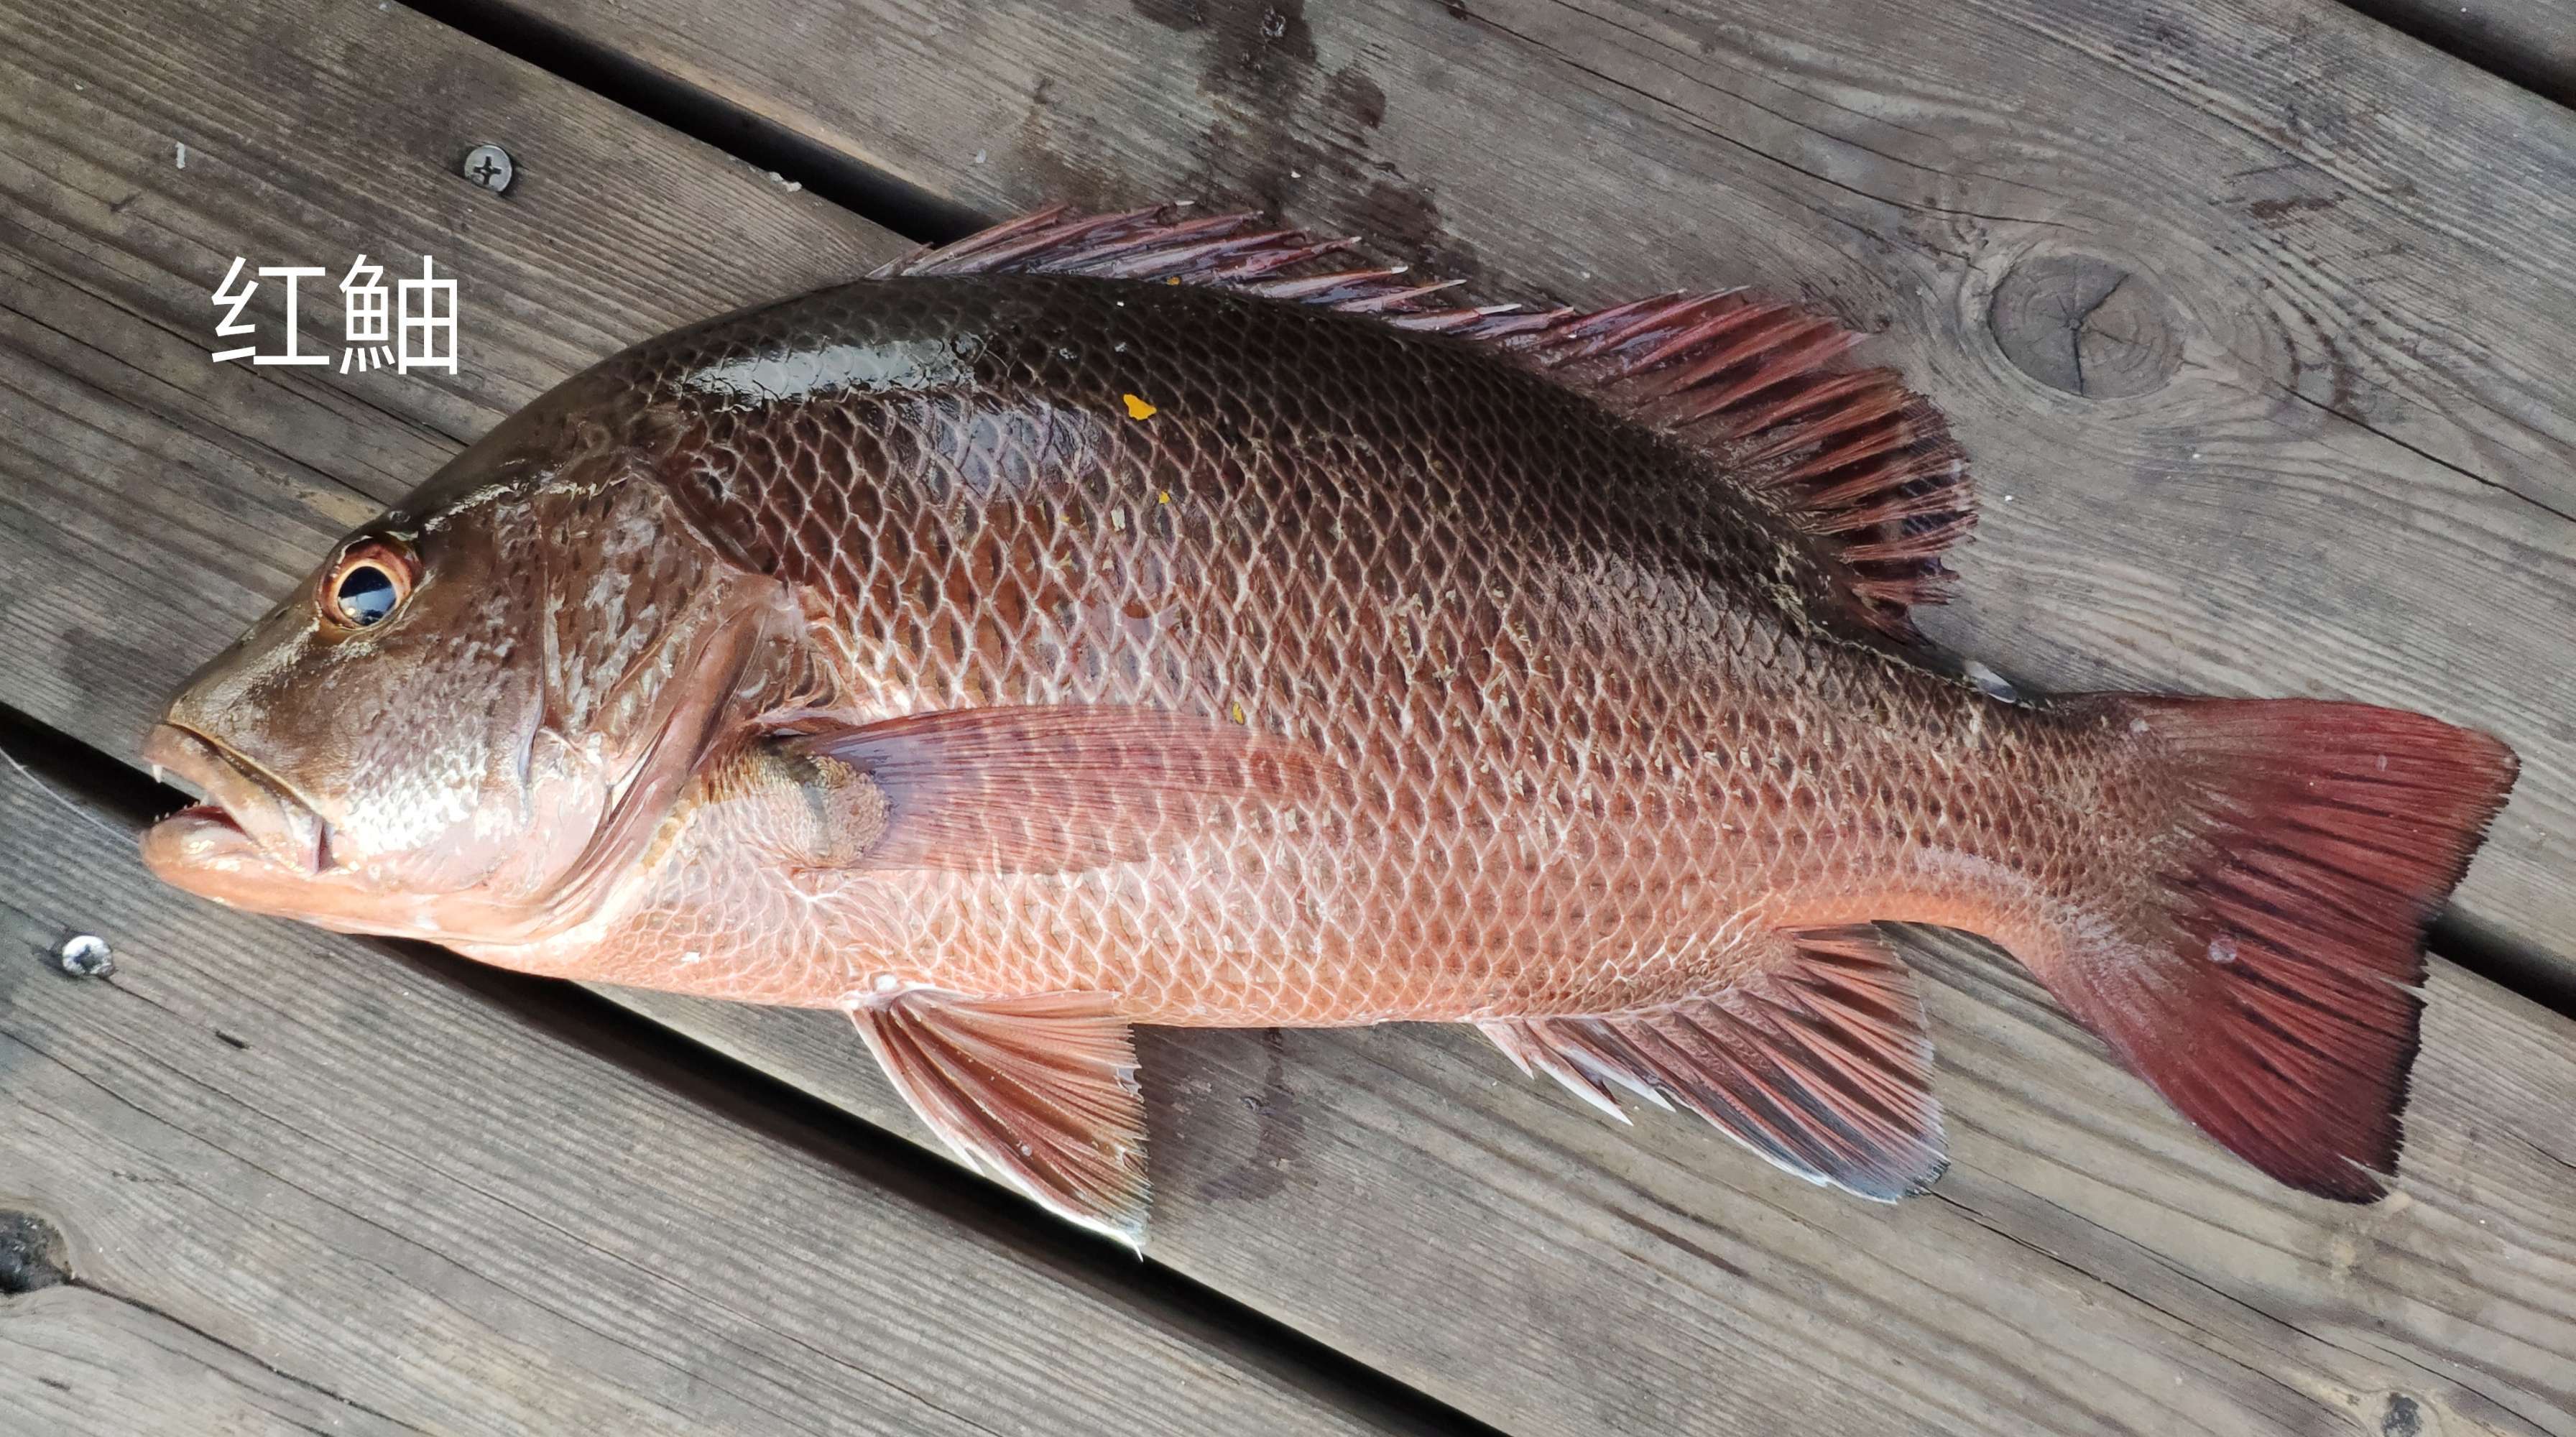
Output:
(1137, 408)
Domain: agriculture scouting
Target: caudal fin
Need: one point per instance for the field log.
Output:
(2264, 972)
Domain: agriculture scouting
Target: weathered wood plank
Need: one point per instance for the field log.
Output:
(386, 1190)
(2326, 435)
(2093, 1267)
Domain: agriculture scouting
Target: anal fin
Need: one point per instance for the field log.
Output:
(1038, 1093)
(1820, 1063)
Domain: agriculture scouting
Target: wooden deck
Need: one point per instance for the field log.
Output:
(2259, 319)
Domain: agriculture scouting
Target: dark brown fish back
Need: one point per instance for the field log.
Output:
(1850, 454)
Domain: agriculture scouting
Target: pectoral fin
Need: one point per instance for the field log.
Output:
(1820, 1063)
(1039, 1093)
(1039, 789)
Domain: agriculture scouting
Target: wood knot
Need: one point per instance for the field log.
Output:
(32, 1254)
(2085, 326)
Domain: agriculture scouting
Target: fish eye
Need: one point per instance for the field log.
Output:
(368, 584)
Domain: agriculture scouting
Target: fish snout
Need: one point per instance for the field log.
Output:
(249, 824)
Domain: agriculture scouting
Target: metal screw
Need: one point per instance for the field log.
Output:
(488, 166)
(86, 956)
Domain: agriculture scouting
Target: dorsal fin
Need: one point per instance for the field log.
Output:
(1850, 457)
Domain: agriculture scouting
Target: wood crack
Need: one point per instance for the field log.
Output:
(1816, 130)
(2424, 454)
(1702, 128)
(2180, 1321)
(184, 1325)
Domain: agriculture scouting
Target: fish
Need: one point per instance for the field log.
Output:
(1155, 618)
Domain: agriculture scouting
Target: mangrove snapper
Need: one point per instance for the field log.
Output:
(1134, 619)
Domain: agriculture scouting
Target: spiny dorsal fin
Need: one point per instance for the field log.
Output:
(1850, 457)
(1820, 1063)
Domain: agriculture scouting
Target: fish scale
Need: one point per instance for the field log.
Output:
(1119, 619)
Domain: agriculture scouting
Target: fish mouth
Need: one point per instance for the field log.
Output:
(248, 822)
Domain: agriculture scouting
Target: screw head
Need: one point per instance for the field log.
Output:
(86, 956)
(488, 166)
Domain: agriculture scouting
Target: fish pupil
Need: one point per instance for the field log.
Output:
(365, 595)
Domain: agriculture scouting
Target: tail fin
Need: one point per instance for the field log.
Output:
(2266, 976)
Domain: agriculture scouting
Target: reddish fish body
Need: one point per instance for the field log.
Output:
(1090, 626)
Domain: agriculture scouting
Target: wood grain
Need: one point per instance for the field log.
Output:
(2091, 1265)
(2357, 254)
(293, 1150)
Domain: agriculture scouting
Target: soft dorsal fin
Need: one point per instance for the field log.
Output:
(1850, 457)
(1039, 1093)
(1820, 1063)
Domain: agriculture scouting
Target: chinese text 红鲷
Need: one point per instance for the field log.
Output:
(413, 326)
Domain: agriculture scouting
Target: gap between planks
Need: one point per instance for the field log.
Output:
(2530, 43)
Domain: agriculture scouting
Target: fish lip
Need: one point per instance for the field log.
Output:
(248, 811)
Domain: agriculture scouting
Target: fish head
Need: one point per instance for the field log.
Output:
(467, 723)
(364, 748)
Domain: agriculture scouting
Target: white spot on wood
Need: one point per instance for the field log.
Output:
(183, 157)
